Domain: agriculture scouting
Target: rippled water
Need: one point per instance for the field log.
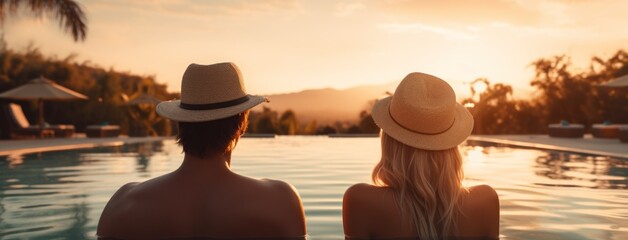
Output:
(543, 195)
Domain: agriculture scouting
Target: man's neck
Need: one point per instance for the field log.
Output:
(210, 165)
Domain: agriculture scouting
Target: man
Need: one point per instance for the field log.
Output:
(204, 198)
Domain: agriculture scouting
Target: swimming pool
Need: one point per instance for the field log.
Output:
(543, 195)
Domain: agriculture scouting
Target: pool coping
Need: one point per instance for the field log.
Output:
(21, 147)
(587, 145)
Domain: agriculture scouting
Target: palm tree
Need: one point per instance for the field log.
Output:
(69, 13)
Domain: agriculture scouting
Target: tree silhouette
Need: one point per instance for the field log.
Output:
(366, 124)
(17, 68)
(495, 112)
(611, 103)
(288, 124)
(264, 122)
(69, 13)
(564, 94)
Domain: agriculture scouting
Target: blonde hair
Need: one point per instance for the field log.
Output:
(428, 185)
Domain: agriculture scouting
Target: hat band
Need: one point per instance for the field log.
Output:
(211, 106)
(414, 131)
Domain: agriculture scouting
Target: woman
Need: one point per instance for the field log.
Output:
(417, 191)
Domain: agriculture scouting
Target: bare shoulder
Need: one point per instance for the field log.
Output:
(282, 192)
(481, 199)
(480, 208)
(277, 190)
(115, 210)
(284, 203)
(485, 192)
(278, 185)
(360, 193)
(362, 204)
(120, 197)
(361, 188)
(356, 200)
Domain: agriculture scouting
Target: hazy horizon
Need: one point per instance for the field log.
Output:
(287, 46)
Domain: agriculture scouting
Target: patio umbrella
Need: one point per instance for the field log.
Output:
(143, 98)
(620, 82)
(144, 111)
(41, 89)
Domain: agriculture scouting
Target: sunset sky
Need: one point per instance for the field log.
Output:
(290, 45)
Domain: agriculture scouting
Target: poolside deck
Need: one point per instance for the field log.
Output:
(13, 147)
(586, 145)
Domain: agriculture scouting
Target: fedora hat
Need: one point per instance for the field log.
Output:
(423, 113)
(209, 92)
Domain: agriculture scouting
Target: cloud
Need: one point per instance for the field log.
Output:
(344, 9)
(415, 28)
(561, 20)
(202, 8)
(456, 12)
(246, 7)
(580, 13)
(535, 13)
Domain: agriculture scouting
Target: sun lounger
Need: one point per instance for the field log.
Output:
(623, 133)
(99, 131)
(31, 132)
(63, 130)
(563, 130)
(20, 127)
(605, 130)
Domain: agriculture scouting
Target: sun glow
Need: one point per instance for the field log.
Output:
(370, 42)
(479, 86)
(474, 162)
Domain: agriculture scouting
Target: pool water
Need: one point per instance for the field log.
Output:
(543, 195)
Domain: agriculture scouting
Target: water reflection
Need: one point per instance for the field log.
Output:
(15, 159)
(553, 195)
(543, 195)
(604, 172)
(39, 176)
(51, 194)
(561, 168)
(78, 228)
(144, 153)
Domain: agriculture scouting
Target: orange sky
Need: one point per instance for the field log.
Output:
(291, 45)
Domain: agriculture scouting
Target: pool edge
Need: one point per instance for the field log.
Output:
(555, 145)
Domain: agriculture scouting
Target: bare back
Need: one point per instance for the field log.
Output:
(178, 205)
(372, 212)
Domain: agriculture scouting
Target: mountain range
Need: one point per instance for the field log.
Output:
(328, 105)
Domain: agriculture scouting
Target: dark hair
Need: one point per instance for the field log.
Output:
(216, 136)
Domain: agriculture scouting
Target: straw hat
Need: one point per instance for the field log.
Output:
(423, 113)
(209, 92)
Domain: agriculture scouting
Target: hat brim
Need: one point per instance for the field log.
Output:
(172, 110)
(455, 135)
